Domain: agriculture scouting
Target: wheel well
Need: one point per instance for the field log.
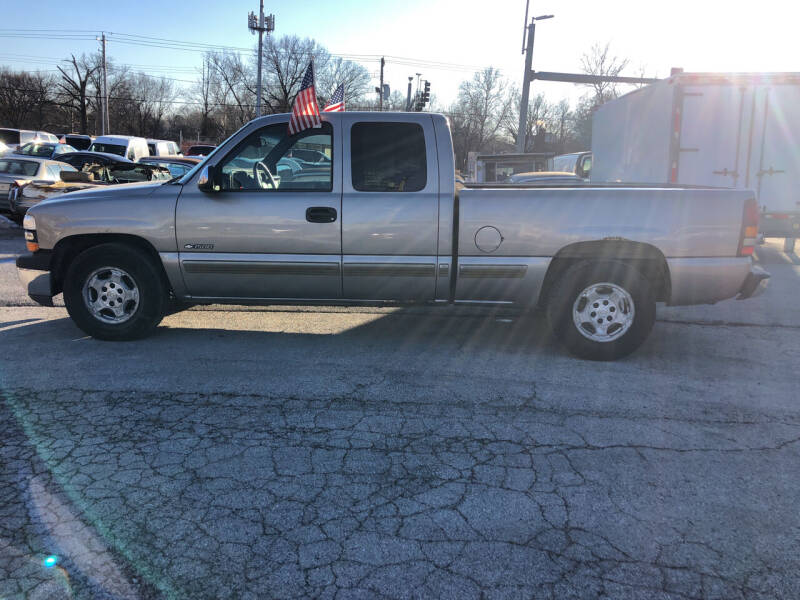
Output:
(645, 258)
(68, 248)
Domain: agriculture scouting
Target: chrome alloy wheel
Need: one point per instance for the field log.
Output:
(111, 295)
(603, 312)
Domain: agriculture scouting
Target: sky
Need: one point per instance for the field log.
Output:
(698, 35)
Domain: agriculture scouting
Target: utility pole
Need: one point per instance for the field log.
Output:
(260, 24)
(380, 93)
(530, 30)
(105, 121)
(408, 98)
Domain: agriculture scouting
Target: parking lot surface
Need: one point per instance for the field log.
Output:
(400, 453)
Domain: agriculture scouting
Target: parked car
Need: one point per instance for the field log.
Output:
(103, 168)
(14, 138)
(200, 150)
(92, 175)
(132, 148)
(163, 148)
(77, 141)
(545, 177)
(43, 149)
(383, 225)
(17, 171)
(178, 165)
(4, 149)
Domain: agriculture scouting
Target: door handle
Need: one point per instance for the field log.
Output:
(320, 214)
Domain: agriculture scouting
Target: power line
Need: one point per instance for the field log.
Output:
(173, 44)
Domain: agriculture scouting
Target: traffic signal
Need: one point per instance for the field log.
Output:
(423, 97)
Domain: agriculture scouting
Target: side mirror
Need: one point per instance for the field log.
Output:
(209, 179)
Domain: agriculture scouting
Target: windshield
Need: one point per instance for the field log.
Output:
(11, 166)
(566, 163)
(36, 149)
(78, 142)
(109, 148)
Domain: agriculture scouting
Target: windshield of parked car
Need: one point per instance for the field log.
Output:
(176, 169)
(199, 150)
(110, 148)
(78, 142)
(565, 163)
(11, 166)
(36, 149)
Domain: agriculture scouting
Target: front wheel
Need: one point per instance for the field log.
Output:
(601, 310)
(115, 292)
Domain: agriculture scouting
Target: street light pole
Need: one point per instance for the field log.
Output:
(522, 130)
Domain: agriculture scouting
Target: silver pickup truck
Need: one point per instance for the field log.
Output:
(365, 209)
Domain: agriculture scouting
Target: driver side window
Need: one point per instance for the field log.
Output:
(270, 160)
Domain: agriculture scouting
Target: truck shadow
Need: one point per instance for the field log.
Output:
(427, 330)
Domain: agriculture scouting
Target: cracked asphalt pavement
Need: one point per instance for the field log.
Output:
(400, 453)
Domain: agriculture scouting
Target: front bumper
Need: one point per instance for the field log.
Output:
(34, 273)
(754, 284)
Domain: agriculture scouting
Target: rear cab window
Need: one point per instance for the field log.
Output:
(388, 157)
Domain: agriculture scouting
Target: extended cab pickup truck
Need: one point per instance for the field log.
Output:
(366, 209)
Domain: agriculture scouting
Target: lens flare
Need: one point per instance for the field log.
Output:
(50, 561)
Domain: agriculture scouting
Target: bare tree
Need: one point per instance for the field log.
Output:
(538, 114)
(582, 121)
(202, 93)
(285, 62)
(24, 98)
(74, 85)
(600, 61)
(231, 86)
(559, 123)
(338, 71)
(481, 108)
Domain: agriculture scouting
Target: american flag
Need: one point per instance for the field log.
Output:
(305, 112)
(336, 103)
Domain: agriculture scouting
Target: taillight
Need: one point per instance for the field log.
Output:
(749, 236)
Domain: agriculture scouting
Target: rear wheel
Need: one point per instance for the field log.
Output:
(601, 310)
(115, 292)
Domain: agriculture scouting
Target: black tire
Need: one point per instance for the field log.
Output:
(152, 293)
(565, 294)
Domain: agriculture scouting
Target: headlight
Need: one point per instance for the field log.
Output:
(31, 239)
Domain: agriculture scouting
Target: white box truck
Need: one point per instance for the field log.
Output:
(738, 130)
